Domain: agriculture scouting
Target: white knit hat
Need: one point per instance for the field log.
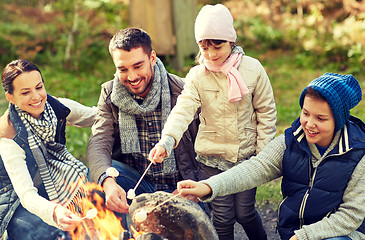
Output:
(215, 22)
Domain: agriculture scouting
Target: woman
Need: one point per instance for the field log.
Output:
(41, 182)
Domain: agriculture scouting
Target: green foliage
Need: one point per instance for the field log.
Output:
(329, 31)
(77, 139)
(87, 29)
(257, 34)
(269, 193)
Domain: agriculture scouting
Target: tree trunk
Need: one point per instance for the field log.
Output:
(72, 33)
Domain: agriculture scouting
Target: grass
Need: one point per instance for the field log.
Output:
(289, 74)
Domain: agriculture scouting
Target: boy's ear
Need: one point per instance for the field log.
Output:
(9, 97)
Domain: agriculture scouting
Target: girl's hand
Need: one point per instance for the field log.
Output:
(190, 187)
(157, 154)
(65, 219)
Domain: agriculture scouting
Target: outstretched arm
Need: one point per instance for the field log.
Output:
(190, 187)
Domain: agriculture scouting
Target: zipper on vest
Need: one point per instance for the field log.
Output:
(277, 221)
(305, 197)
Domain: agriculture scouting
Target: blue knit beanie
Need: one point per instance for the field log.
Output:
(342, 92)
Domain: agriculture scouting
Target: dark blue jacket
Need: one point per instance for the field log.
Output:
(312, 193)
(9, 201)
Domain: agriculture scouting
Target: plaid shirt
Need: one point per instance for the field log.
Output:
(149, 133)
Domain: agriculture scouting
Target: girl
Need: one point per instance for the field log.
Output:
(36, 169)
(321, 159)
(237, 118)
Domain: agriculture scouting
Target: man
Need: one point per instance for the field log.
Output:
(132, 110)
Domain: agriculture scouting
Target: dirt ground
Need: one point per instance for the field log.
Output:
(268, 217)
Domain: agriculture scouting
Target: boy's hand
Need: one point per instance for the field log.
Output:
(157, 154)
(190, 187)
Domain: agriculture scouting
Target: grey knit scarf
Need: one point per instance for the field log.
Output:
(128, 108)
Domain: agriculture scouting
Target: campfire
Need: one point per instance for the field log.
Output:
(165, 217)
(172, 217)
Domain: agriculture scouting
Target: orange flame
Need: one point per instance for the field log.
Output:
(135, 232)
(105, 225)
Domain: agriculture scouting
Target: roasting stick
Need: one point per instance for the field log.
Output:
(132, 192)
(165, 201)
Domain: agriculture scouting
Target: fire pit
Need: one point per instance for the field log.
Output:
(172, 217)
(164, 217)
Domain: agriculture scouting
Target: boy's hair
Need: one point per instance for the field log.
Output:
(314, 94)
(131, 38)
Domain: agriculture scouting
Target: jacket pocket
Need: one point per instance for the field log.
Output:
(249, 138)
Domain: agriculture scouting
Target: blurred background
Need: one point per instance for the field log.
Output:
(296, 41)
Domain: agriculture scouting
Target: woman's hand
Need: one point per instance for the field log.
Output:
(65, 219)
(190, 187)
(157, 154)
(7, 129)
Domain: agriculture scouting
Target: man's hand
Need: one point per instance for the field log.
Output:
(190, 187)
(7, 129)
(157, 154)
(115, 196)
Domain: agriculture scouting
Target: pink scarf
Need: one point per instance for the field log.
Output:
(236, 85)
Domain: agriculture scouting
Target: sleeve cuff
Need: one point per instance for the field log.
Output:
(167, 142)
(103, 177)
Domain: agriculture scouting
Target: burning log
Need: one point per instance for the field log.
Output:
(177, 218)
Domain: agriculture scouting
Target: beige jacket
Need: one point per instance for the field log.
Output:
(231, 130)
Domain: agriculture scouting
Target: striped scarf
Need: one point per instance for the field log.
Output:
(62, 174)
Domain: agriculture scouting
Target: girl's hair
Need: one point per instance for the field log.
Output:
(206, 43)
(210, 42)
(13, 70)
(311, 92)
